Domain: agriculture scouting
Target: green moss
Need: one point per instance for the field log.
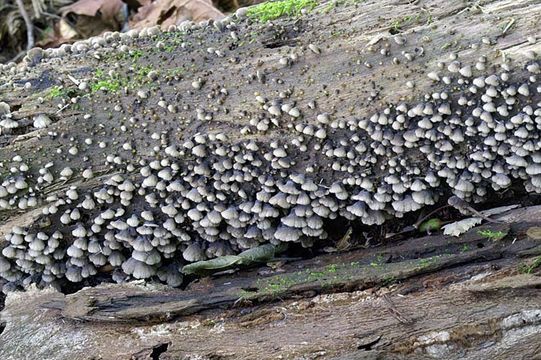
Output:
(174, 72)
(136, 54)
(103, 82)
(55, 92)
(141, 75)
(60, 91)
(398, 25)
(280, 284)
(276, 284)
(330, 5)
(132, 55)
(529, 268)
(169, 48)
(492, 235)
(331, 268)
(447, 45)
(325, 273)
(334, 276)
(112, 85)
(172, 41)
(326, 276)
(116, 82)
(389, 280)
(378, 261)
(426, 262)
(338, 33)
(275, 9)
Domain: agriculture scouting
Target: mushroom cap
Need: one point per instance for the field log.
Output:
(73, 274)
(193, 252)
(287, 234)
(5, 265)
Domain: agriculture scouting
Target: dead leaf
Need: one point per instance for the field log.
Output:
(106, 8)
(92, 17)
(343, 244)
(135, 4)
(66, 30)
(534, 233)
(61, 33)
(460, 227)
(173, 12)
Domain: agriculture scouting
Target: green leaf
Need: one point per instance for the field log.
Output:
(430, 225)
(203, 267)
(261, 253)
(258, 254)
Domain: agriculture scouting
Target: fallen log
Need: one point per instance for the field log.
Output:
(133, 154)
(465, 297)
(130, 155)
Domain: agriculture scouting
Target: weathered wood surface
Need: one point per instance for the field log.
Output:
(433, 297)
(434, 29)
(441, 26)
(356, 271)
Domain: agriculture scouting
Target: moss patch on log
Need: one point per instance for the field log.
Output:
(271, 10)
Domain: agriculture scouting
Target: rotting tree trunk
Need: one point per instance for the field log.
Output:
(433, 297)
(436, 310)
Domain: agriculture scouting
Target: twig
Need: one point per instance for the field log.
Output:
(391, 308)
(464, 208)
(18, 56)
(51, 15)
(28, 23)
(421, 220)
(62, 108)
(508, 26)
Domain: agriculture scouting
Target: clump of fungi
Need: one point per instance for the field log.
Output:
(212, 194)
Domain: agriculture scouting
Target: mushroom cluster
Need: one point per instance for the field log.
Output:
(211, 194)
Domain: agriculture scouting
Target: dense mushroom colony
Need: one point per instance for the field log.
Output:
(209, 192)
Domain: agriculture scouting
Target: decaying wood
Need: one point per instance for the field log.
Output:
(429, 297)
(443, 26)
(113, 303)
